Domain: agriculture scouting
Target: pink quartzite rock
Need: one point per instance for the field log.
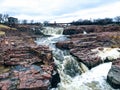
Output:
(22, 56)
(5, 85)
(90, 29)
(81, 45)
(26, 55)
(30, 77)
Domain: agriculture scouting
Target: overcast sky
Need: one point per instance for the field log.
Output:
(60, 10)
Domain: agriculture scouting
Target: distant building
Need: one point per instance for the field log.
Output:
(12, 20)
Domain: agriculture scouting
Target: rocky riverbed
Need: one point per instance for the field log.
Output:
(23, 64)
(94, 45)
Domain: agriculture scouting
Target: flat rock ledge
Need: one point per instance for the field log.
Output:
(25, 65)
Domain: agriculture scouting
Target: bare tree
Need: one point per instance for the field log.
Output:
(24, 21)
(31, 22)
(117, 19)
(1, 19)
(46, 23)
(5, 18)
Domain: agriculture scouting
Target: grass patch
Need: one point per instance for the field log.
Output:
(13, 29)
(116, 40)
(4, 27)
(2, 33)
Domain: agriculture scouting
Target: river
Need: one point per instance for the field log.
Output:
(74, 75)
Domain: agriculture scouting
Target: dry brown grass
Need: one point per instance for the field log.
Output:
(2, 33)
(116, 39)
(4, 27)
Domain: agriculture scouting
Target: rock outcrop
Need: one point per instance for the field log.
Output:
(90, 29)
(23, 64)
(113, 77)
(31, 65)
(18, 53)
(82, 45)
(30, 77)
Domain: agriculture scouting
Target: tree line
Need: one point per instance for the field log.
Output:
(103, 21)
(4, 18)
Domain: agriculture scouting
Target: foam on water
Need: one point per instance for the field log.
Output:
(94, 79)
(110, 53)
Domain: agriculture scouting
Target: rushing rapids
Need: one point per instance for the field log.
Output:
(73, 74)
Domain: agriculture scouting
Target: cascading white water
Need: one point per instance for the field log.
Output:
(55, 35)
(94, 79)
(52, 31)
(74, 75)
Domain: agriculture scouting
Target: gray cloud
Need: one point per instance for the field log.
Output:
(57, 9)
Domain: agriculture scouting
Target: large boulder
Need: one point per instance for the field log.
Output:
(86, 56)
(113, 77)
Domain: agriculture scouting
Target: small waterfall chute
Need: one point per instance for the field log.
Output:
(71, 66)
(52, 31)
(84, 32)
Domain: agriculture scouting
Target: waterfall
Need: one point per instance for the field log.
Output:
(54, 35)
(73, 74)
(52, 31)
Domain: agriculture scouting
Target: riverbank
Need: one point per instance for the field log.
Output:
(23, 63)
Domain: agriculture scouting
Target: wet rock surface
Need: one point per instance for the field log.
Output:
(113, 77)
